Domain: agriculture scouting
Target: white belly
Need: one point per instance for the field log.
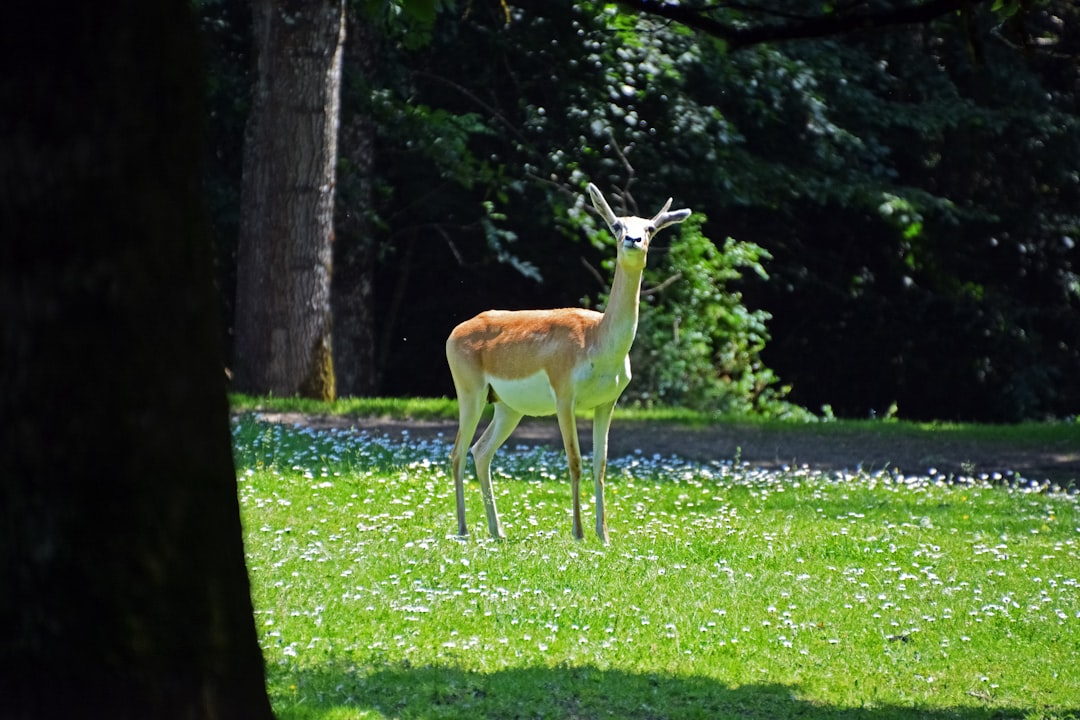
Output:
(534, 396)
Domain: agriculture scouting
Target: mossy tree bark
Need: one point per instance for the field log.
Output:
(124, 590)
(283, 318)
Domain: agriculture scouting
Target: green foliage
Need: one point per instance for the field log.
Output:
(410, 21)
(698, 345)
(915, 188)
(727, 591)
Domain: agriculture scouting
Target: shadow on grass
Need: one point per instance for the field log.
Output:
(581, 693)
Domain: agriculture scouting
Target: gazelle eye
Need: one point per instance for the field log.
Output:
(617, 227)
(651, 230)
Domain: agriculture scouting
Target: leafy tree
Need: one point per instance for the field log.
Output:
(952, 294)
(914, 183)
(864, 165)
(744, 25)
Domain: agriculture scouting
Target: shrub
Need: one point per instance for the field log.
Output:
(698, 346)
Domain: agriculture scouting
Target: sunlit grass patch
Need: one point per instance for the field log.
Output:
(726, 590)
(416, 408)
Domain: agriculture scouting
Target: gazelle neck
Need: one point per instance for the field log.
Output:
(619, 324)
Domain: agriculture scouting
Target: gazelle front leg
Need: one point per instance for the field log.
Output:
(502, 424)
(568, 428)
(601, 423)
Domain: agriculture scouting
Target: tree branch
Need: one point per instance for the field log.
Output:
(838, 23)
(595, 273)
(475, 99)
(660, 287)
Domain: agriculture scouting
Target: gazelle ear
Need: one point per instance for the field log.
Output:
(665, 218)
(601, 205)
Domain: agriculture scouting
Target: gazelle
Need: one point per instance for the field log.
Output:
(543, 362)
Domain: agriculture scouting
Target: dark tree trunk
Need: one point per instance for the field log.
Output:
(123, 590)
(353, 286)
(283, 320)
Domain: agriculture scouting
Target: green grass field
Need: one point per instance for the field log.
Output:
(726, 591)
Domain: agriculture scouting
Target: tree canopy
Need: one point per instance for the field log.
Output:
(906, 170)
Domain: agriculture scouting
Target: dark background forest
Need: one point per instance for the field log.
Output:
(886, 221)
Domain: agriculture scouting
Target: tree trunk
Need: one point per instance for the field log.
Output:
(353, 286)
(283, 319)
(124, 591)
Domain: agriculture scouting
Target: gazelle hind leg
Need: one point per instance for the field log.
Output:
(502, 424)
(470, 408)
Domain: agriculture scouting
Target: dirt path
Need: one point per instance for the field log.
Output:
(912, 454)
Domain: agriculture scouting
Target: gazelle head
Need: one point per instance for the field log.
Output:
(633, 234)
